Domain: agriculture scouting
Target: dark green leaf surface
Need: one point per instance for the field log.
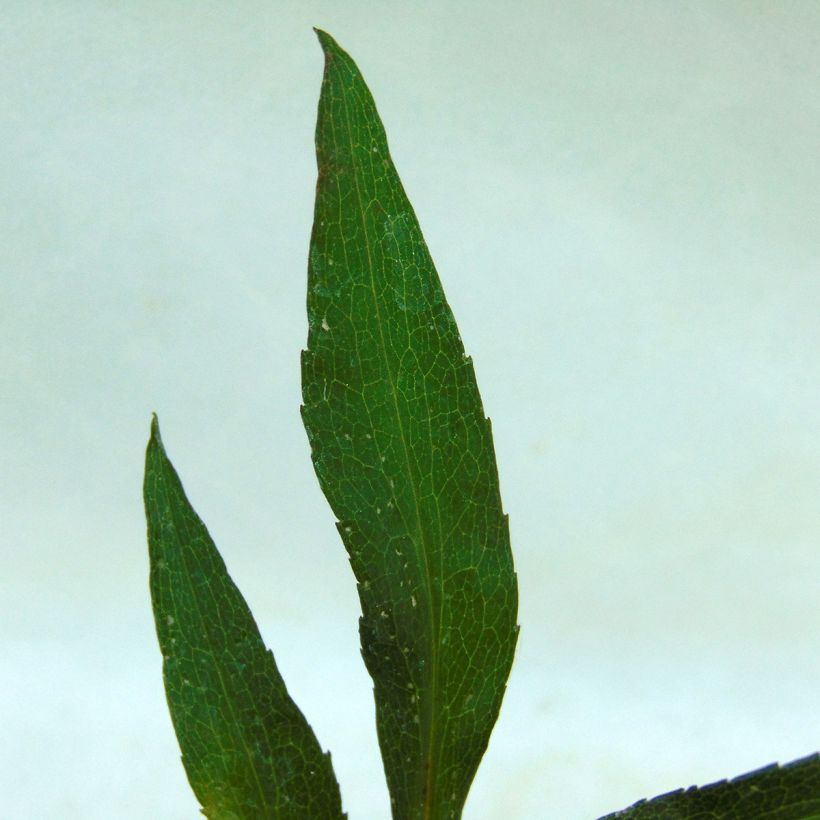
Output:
(789, 792)
(404, 454)
(248, 750)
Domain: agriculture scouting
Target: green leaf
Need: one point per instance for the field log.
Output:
(790, 792)
(247, 749)
(404, 454)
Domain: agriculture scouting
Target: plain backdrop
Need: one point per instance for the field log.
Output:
(622, 200)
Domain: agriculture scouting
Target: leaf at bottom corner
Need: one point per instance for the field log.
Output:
(248, 751)
(790, 792)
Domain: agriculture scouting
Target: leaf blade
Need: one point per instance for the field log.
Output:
(404, 454)
(247, 749)
(790, 792)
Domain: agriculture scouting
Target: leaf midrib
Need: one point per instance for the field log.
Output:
(428, 714)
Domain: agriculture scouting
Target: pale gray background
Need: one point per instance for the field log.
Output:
(622, 199)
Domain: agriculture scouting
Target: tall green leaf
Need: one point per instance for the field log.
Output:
(789, 792)
(404, 454)
(247, 749)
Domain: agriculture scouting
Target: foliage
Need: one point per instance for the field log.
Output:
(403, 452)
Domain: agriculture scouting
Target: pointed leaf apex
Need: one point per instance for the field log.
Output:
(155, 439)
(333, 50)
(325, 40)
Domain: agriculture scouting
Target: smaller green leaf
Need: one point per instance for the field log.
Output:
(790, 792)
(247, 749)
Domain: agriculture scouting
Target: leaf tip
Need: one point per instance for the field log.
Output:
(328, 44)
(155, 445)
(155, 436)
(324, 38)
